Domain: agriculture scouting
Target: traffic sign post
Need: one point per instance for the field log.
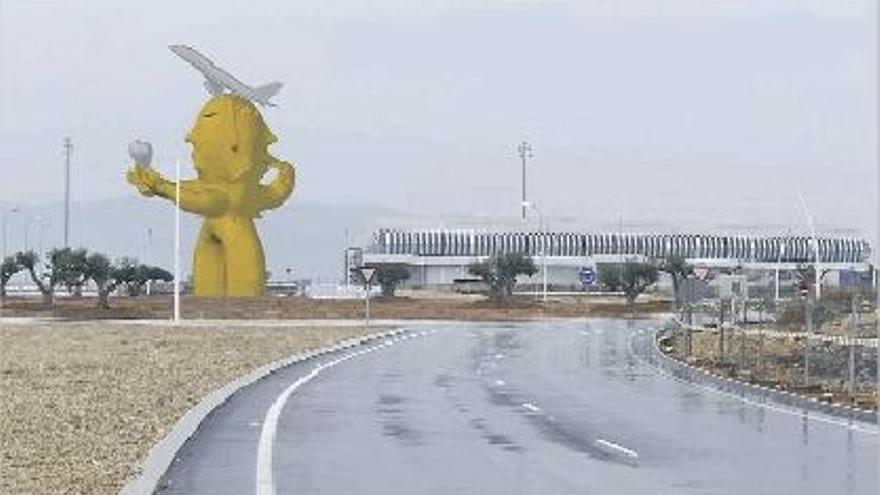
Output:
(701, 272)
(367, 274)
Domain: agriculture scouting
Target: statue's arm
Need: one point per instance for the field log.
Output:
(277, 191)
(195, 196)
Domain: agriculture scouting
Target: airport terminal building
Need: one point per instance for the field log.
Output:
(439, 257)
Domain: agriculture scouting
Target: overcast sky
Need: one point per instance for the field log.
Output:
(687, 111)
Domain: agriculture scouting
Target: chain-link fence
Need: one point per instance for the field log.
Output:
(831, 356)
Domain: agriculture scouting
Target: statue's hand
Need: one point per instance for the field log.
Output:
(145, 179)
(286, 173)
(276, 192)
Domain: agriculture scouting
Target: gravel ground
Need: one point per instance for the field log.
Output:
(82, 403)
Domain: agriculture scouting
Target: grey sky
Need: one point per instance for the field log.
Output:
(690, 111)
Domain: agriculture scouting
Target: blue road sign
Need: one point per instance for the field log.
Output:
(587, 276)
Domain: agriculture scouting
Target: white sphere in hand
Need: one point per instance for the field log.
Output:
(141, 152)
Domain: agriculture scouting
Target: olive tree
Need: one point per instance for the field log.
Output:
(632, 278)
(44, 280)
(389, 276)
(71, 267)
(104, 274)
(135, 275)
(679, 269)
(8, 267)
(125, 272)
(500, 271)
(63, 266)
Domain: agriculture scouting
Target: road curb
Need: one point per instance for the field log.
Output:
(154, 466)
(781, 397)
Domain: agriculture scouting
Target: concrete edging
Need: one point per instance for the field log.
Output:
(154, 466)
(781, 397)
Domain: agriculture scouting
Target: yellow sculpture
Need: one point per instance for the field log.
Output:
(230, 144)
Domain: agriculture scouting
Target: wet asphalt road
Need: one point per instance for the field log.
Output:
(539, 408)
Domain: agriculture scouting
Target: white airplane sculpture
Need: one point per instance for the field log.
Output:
(217, 80)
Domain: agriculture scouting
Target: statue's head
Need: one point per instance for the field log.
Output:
(230, 140)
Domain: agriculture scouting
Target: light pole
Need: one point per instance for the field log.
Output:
(149, 249)
(533, 206)
(42, 226)
(524, 150)
(68, 148)
(177, 243)
(6, 214)
(781, 251)
(145, 256)
(27, 229)
(815, 242)
(807, 340)
(853, 328)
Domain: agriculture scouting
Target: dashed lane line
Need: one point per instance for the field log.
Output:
(617, 448)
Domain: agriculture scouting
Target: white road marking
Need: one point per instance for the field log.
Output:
(531, 407)
(500, 383)
(265, 475)
(618, 448)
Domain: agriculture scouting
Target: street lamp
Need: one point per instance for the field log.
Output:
(817, 285)
(524, 150)
(43, 226)
(6, 214)
(779, 252)
(176, 317)
(68, 148)
(815, 244)
(531, 205)
(27, 229)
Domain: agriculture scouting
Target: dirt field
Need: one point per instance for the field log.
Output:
(460, 308)
(82, 403)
